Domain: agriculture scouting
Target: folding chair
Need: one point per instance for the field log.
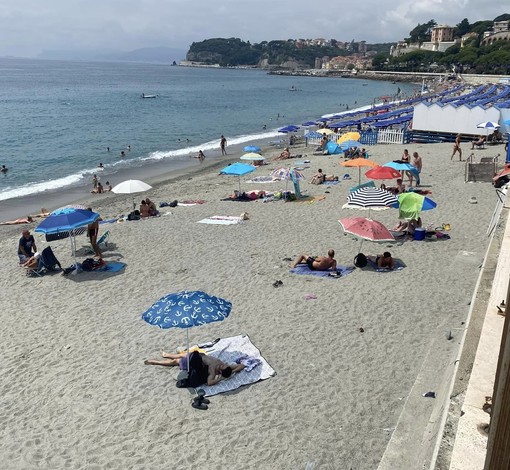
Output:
(102, 243)
(47, 262)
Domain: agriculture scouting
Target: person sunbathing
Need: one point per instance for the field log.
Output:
(317, 263)
(21, 220)
(478, 143)
(284, 155)
(385, 261)
(217, 370)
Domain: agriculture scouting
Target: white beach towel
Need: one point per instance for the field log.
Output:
(230, 349)
(222, 220)
(262, 179)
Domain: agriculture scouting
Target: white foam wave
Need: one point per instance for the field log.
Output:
(34, 188)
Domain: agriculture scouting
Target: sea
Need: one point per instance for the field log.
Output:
(60, 119)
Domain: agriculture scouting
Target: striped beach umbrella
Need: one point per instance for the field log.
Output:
(370, 198)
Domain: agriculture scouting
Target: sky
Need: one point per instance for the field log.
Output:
(28, 27)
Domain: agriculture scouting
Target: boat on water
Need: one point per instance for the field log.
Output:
(148, 96)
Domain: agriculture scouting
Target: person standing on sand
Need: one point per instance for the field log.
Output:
(417, 163)
(456, 148)
(223, 145)
(92, 231)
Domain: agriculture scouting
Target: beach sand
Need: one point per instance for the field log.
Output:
(76, 393)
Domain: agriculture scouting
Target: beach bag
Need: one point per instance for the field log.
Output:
(88, 264)
(360, 260)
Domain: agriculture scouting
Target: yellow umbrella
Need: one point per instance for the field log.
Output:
(325, 131)
(348, 136)
(359, 162)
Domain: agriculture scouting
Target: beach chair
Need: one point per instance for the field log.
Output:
(102, 242)
(47, 262)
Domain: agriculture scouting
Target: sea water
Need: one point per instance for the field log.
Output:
(59, 117)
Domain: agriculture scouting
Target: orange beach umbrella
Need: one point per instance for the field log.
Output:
(359, 162)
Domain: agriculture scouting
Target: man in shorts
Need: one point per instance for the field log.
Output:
(317, 263)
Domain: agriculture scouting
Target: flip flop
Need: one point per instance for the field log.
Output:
(199, 406)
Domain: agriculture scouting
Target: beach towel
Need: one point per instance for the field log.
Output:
(341, 270)
(108, 221)
(327, 183)
(372, 265)
(111, 267)
(262, 179)
(222, 220)
(230, 350)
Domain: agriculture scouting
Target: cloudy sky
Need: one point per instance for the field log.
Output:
(28, 27)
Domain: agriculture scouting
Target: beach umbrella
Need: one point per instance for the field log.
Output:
(287, 173)
(488, 125)
(402, 166)
(309, 123)
(131, 187)
(410, 205)
(359, 163)
(348, 136)
(254, 157)
(346, 145)
(367, 229)
(67, 219)
(325, 131)
(252, 148)
(382, 173)
(370, 198)
(237, 169)
(50, 237)
(287, 129)
(186, 309)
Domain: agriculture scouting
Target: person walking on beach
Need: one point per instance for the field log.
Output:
(223, 145)
(317, 263)
(456, 148)
(95, 180)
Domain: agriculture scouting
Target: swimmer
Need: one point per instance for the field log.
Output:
(4, 169)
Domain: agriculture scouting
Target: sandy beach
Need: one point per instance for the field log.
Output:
(74, 387)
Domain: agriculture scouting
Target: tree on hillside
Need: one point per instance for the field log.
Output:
(503, 17)
(462, 28)
(422, 32)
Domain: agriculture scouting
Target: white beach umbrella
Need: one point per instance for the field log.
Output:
(131, 187)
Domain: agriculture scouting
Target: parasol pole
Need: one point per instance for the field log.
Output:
(187, 350)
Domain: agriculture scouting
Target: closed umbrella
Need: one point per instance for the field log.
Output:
(131, 187)
(187, 309)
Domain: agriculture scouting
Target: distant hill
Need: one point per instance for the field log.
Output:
(164, 55)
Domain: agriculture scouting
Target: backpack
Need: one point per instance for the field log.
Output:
(360, 260)
(90, 264)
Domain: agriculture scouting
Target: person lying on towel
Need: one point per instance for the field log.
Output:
(217, 370)
(317, 263)
(385, 261)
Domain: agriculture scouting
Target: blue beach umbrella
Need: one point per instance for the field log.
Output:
(402, 166)
(67, 219)
(287, 129)
(187, 309)
(347, 144)
(237, 169)
(252, 148)
(309, 123)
